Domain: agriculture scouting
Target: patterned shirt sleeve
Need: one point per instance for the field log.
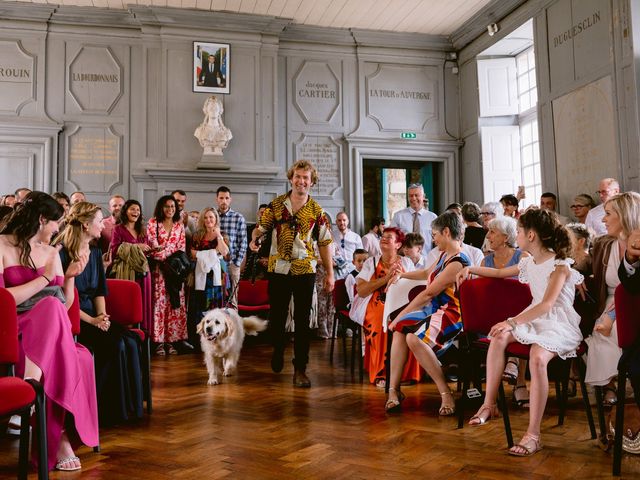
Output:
(324, 230)
(241, 240)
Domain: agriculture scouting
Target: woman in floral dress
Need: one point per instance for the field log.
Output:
(165, 235)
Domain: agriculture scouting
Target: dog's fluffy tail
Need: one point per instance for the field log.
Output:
(253, 325)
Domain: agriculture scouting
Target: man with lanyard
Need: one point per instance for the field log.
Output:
(348, 241)
(294, 221)
(415, 218)
(232, 224)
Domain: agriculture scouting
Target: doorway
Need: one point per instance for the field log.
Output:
(385, 185)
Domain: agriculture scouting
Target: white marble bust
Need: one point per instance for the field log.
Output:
(212, 134)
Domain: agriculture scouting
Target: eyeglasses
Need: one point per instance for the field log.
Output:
(602, 192)
(577, 206)
(487, 213)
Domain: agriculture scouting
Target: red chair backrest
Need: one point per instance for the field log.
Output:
(487, 301)
(253, 295)
(124, 301)
(340, 296)
(8, 328)
(74, 313)
(627, 317)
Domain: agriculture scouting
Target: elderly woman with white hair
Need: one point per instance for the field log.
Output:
(501, 239)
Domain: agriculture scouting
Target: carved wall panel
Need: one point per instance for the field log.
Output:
(17, 77)
(94, 79)
(316, 92)
(402, 97)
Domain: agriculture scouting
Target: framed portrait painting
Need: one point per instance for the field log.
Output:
(211, 67)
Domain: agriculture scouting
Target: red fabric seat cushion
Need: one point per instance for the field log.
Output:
(139, 332)
(15, 394)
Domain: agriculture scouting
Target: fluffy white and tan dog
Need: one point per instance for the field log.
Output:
(222, 332)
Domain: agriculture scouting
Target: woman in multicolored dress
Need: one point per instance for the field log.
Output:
(165, 235)
(372, 282)
(431, 322)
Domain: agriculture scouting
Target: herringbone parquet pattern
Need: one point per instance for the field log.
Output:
(257, 426)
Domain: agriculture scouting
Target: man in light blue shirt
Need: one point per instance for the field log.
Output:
(415, 218)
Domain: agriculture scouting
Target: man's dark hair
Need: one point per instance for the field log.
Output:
(509, 199)
(359, 251)
(223, 189)
(263, 205)
(549, 195)
(375, 221)
(179, 192)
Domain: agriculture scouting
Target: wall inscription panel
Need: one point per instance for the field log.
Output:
(401, 97)
(585, 140)
(316, 92)
(17, 77)
(95, 79)
(325, 154)
(93, 158)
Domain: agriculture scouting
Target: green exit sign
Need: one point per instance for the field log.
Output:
(408, 135)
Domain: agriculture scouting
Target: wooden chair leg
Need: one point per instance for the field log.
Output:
(23, 452)
(387, 362)
(582, 369)
(41, 429)
(360, 353)
(505, 415)
(147, 370)
(333, 338)
(600, 410)
(344, 344)
(617, 445)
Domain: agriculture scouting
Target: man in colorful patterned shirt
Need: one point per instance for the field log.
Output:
(294, 221)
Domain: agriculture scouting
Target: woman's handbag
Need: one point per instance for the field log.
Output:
(48, 291)
(177, 265)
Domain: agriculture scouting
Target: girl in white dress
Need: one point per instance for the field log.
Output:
(550, 324)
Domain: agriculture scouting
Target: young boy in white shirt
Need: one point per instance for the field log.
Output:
(412, 248)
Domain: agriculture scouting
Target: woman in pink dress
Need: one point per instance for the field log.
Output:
(165, 235)
(31, 270)
(130, 229)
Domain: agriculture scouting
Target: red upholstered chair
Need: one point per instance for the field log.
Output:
(17, 395)
(487, 301)
(340, 304)
(628, 326)
(124, 306)
(253, 298)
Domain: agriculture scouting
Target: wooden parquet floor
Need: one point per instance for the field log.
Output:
(257, 426)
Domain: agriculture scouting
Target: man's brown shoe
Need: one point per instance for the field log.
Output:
(301, 380)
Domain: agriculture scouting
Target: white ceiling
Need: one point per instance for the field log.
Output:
(436, 17)
(517, 41)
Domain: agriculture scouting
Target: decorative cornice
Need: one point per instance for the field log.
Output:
(418, 41)
(493, 12)
(263, 176)
(26, 11)
(104, 17)
(207, 20)
(312, 34)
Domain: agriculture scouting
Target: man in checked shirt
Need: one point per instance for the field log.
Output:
(234, 226)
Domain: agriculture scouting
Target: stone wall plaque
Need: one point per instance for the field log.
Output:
(316, 92)
(17, 77)
(324, 153)
(95, 79)
(93, 158)
(401, 97)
